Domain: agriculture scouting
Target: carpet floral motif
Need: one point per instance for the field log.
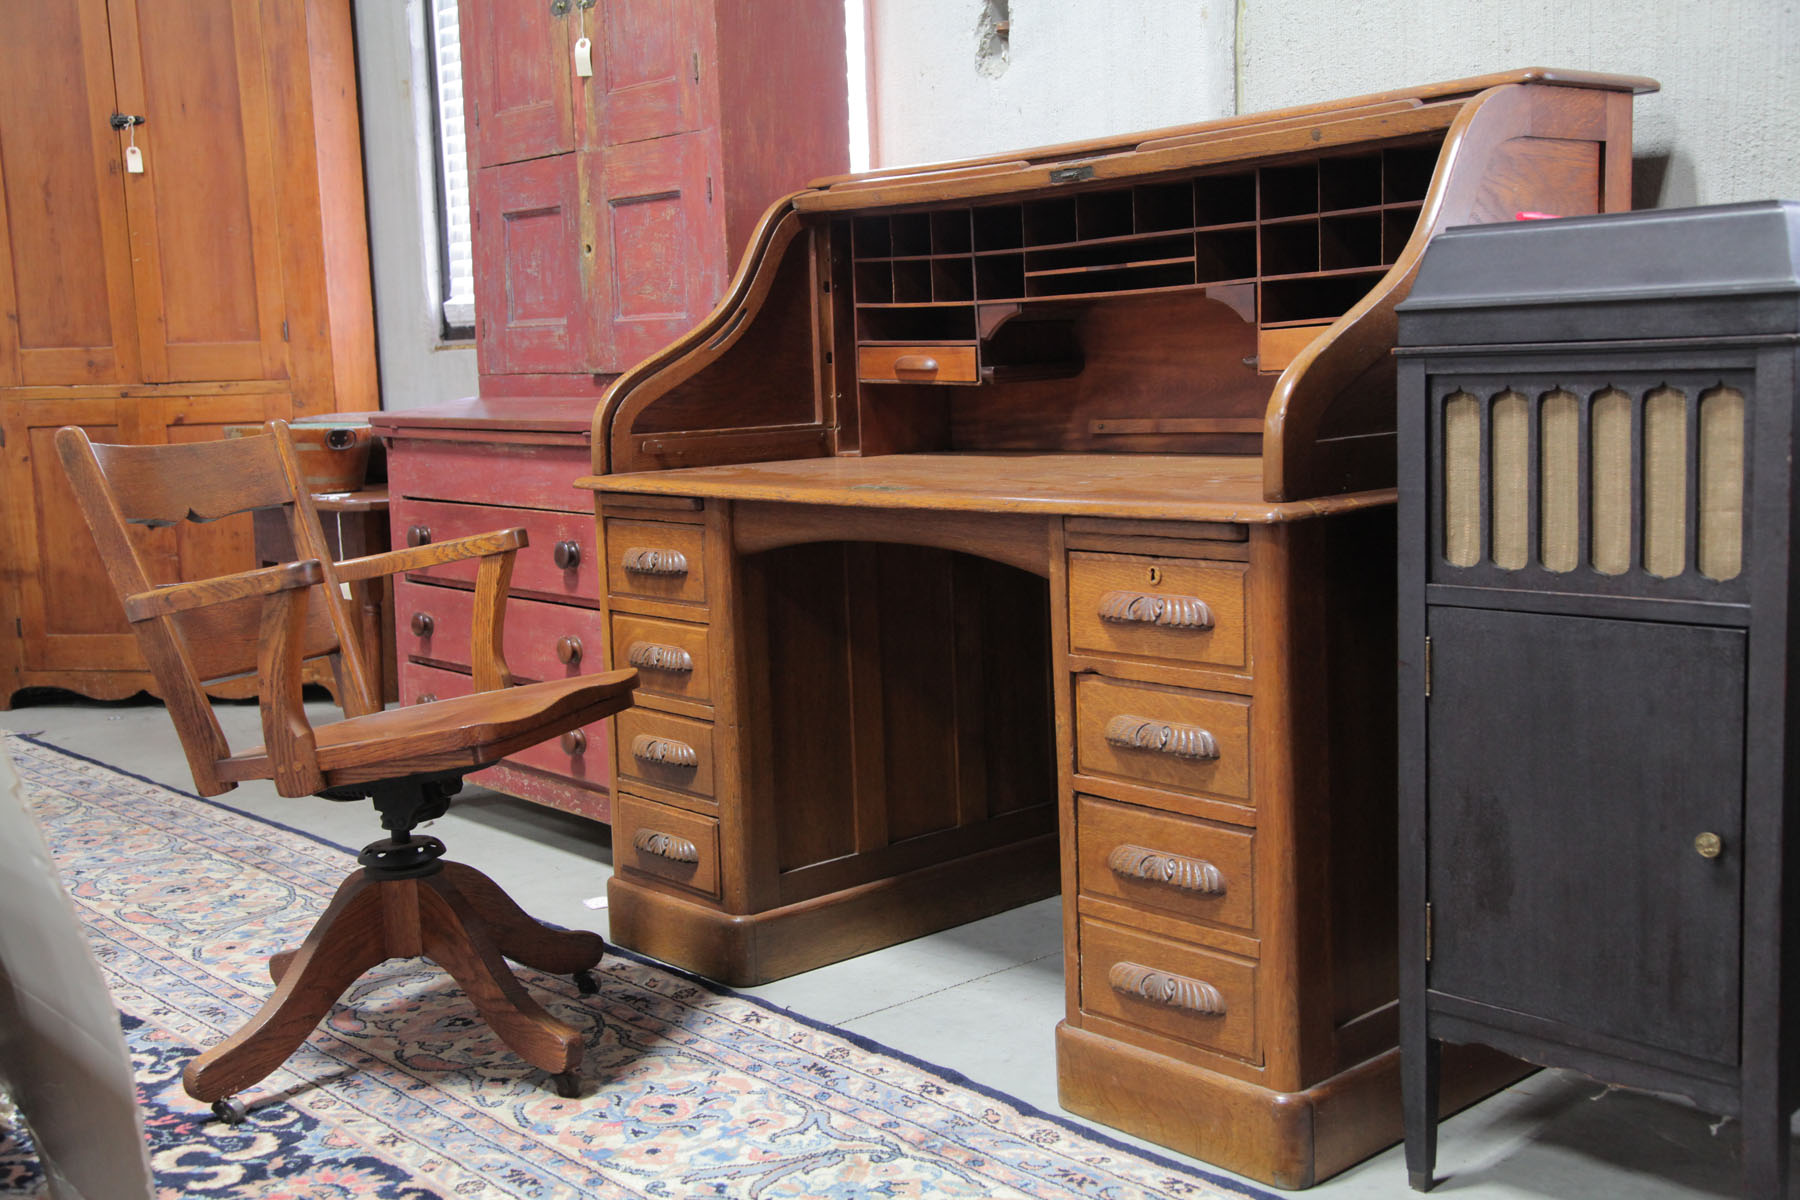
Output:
(689, 1090)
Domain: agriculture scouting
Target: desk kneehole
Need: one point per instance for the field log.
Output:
(1170, 738)
(671, 844)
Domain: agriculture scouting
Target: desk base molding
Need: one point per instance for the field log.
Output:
(1286, 1139)
(746, 950)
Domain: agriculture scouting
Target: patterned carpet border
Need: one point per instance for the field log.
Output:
(690, 1088)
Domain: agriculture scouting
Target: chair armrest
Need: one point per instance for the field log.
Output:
(412, 558)
(200, 593)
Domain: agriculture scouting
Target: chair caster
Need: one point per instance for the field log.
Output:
(230, 1111)
(585, 983)
(567, 1085)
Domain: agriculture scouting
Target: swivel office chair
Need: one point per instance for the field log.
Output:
(406, 899)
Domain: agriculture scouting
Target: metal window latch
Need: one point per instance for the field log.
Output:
(125, 120)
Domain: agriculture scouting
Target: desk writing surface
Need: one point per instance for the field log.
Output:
(1187, 487)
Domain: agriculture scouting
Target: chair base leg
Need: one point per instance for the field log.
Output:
(457, 917)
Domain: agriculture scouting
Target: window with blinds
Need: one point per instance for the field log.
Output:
(457, 250)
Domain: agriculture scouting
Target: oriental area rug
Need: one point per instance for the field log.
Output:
(690, 1089)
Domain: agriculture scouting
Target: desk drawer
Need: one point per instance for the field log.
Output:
(1166, 737)
(916, 364)
(671, 657)
(582, 756)
(666, 751)
(656, 560)
(536, 632)
(669, 843)
(1195, 870)
(505, 473)
(554, 536)
(1170, 988)
(1179, 609)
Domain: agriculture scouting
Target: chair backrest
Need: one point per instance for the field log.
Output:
(119, 486)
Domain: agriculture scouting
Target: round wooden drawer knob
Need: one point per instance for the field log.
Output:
(418, 535)
(422, 625)
(426, 698)
(567, 554)
(574, 742)
(568, 650)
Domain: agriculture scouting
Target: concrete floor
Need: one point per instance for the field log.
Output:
(982, 999)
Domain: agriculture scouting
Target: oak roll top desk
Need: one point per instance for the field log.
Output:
(1025, 523)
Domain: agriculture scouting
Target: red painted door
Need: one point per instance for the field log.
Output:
(529, 252)
(517, 61)
(660, 254)
(649, 73)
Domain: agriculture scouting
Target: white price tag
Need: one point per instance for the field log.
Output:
(584, 57)
(134, 161)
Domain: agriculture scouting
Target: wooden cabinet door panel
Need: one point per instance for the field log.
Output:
(649, 73)
(660, 262)
(529, 293)
(1572, 762)
(65, 266)
(205, 245)
(516, 66)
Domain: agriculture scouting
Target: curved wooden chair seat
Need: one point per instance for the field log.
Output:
(406, 900)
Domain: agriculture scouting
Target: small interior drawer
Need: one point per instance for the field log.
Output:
(1171, 988)
(557, 561)
(671, 844)
(1179, 609)
(1192, 869)
(672, 657)
(656, 560)
(665, 751)
(1170, 738)
(916, 364)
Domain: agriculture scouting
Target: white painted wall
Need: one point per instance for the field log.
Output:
(1724, 127)
(1069, 69)
(417, 367)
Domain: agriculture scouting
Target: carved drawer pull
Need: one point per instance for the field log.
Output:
(665, 845)
(1155, 608)
(1162, 737)
(640, 560)
(665, 752)
(915, 364)
(654, 657)
(1163, 987)
(1175, 870)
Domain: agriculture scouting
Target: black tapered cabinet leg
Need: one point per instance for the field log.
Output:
(1419, 1102)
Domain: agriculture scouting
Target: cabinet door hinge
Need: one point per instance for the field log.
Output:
(696, 62)
(1428, 664)
(1428, 931)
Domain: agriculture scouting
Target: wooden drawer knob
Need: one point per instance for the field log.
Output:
(568, 649)
(1156, 608)
(1161, 737)
(663, 752)
(640, 560)
(566, 554)
(1171, 870)
(426, 698)
(915, 364)
(653, 656)
(665, 845)
(1166, 988)
(418, 535)
(422, 624)
(574, 743)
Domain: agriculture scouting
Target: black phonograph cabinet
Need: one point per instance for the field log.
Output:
(1596, 465)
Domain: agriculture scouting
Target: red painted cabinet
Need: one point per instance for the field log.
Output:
(611, 207)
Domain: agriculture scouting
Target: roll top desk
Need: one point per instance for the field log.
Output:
(1024, 524)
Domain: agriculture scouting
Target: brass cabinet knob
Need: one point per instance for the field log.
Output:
(418, 535)
(574, 742)
(1709, 845)
(422, 624)
(566, 554)
(568, 650)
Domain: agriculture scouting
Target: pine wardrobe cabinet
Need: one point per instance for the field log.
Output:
(225, 282)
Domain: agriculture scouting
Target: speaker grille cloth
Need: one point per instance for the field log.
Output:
(1559, 502)
(1511, 480)
(1665, 482)
(1462, 479)
(1610, 460)
(1721, 533)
